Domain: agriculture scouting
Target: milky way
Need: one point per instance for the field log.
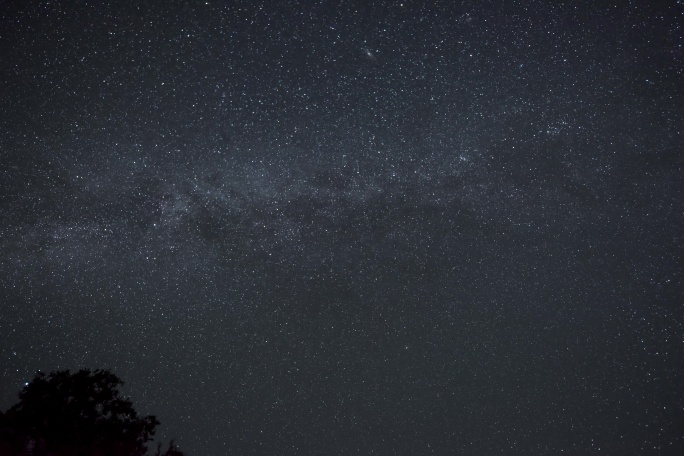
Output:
(335, 228)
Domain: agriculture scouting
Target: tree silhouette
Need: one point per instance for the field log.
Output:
(83, 413)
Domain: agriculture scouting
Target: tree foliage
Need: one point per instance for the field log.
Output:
(82, 413)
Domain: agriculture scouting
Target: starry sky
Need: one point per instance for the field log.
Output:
(351, 227)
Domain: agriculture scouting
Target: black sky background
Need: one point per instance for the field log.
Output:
(347, 227)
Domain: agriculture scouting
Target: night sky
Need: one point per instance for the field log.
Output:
(352, 227)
